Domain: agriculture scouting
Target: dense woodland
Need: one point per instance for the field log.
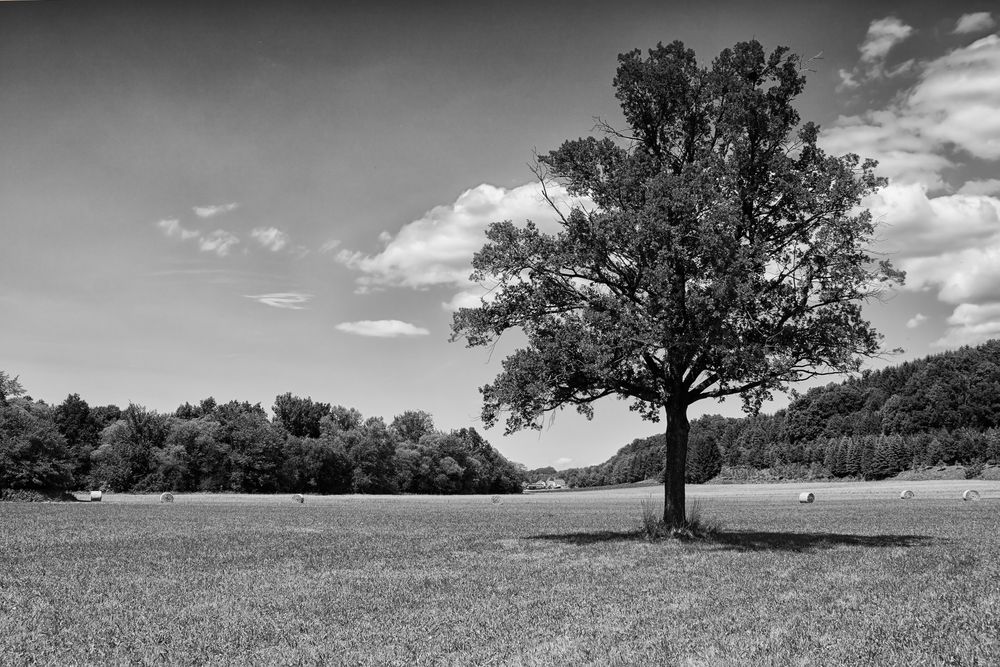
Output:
(307, 447)
(941, 410)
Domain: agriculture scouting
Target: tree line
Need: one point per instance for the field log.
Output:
(306, 447)
(940, 410)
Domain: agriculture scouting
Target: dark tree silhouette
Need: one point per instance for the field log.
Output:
(723, 254)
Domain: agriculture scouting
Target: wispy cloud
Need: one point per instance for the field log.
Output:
(330, 246)
(916, 321)
(219, 242)
(271, 238)
(562, 462)
(883, 34)
(974, 22)
(214, 209)
(286, 300)
(382, 328)
(174, 229)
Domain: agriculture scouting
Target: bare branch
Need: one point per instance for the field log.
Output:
(803, 66)
(541, 172)
(604, 127)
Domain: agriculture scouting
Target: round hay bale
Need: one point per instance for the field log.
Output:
(166, 497)
(806, 497)
(906, 495)
(496, 500)
(95, 496)
(299, 498)
(970, 494)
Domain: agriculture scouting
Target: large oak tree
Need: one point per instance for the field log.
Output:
(724, 253)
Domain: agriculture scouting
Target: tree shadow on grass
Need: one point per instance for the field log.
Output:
(743, 540)
(789, 541)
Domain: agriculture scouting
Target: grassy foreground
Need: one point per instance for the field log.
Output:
(860, 577)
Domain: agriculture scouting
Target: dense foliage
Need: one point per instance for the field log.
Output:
(941, 410)
(308, 447)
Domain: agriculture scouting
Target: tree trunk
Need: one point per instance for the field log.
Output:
(678, 428)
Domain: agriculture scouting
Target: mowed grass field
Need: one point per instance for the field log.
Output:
(859, 577)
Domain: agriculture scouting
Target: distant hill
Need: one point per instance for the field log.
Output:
(943, 409)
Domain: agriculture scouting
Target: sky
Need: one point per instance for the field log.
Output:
(243, 199)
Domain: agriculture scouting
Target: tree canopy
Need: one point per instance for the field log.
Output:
(9, 387)
(724, 253)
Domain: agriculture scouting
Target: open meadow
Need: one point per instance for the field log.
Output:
(860, 577)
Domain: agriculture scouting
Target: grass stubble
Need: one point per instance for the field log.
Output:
(556, 578)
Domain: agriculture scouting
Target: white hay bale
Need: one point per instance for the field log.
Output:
(970, 494)
(95, 496)
(166, 497)
(299, 498)
(906, 495)
(806, 497)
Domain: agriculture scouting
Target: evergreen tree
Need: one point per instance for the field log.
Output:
(704, 460)
(867, 466)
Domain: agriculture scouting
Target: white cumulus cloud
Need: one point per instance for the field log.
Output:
(270, 237)
(953, 104)
(470, 298)
(970, 324)
(903, 154)
(916, 321)
(957, 99)
(974, 22)
(948, 245)
(990, 186)
(437, 249)
(214, 209)
(967, 276)
(883, 34)
(381, 328)
(286, 300)
(915, 224)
